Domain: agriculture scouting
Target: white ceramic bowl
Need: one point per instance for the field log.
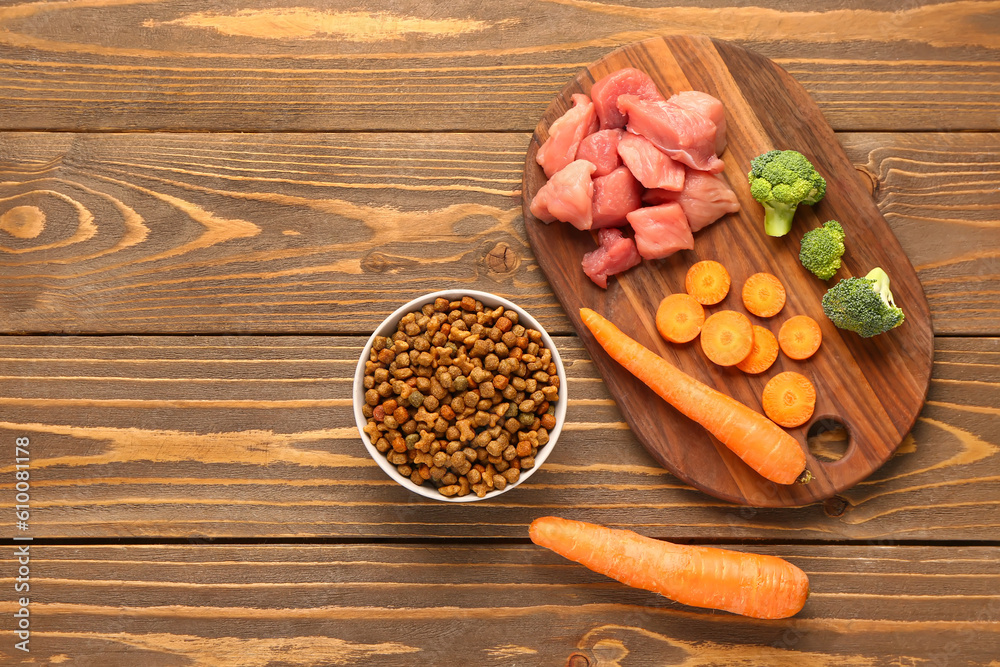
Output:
(388, 327)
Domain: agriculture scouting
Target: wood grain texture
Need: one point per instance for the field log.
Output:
(255, 606)
(319, 65)
(875, 387)
(254, 437)
(328, 232)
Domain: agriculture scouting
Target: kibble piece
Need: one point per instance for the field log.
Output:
(471, 398)
(499, 482)
(512, 475)
(449, 490)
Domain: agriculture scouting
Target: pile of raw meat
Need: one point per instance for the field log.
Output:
(627, 157)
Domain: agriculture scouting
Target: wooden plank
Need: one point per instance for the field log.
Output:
(320, 65)
(328, 233)
(254, 437)
(490, 605)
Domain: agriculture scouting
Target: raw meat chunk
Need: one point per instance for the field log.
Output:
(661, 230)
(627, 81)
(653, 167)
(710, 108)
(682, 134)
(616, 253)
(705, 198)
(615, 196)
(601, 148)
(567, 196)
(565, 135)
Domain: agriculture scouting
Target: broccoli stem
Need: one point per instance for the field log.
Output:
(881, 285)
(778, 219)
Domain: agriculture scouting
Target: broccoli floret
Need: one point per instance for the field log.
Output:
(780, 181)
(863, 305)
(822, 249)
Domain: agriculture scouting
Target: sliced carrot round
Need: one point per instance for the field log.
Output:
(763, 295)
(763, 354)
(708, 282)
(727, 337)
(679, 318)
(789, 399)
(800, 337)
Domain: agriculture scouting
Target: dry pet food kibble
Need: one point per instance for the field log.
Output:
(461, 397)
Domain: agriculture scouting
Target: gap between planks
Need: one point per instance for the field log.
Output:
(167, 130)
(464, 541)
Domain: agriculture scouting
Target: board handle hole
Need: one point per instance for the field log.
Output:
(828, 439)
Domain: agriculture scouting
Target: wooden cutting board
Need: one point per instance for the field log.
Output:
(875, 387)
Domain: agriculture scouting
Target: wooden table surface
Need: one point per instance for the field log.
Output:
(205, 208)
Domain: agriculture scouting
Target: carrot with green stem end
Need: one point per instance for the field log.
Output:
(761, 443)
(750, 584)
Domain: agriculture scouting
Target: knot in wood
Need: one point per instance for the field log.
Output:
(835, 506)
(501, 259)
(578, 660)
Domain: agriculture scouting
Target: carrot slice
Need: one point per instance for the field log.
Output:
(800, 337)
(763, 295)
(708, 282)
(727, 337)
(679, 318)
(763, 354)
(789, 399)
(755, 585)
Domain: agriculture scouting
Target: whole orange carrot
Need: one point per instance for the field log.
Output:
(743, 583)
(761, 443)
